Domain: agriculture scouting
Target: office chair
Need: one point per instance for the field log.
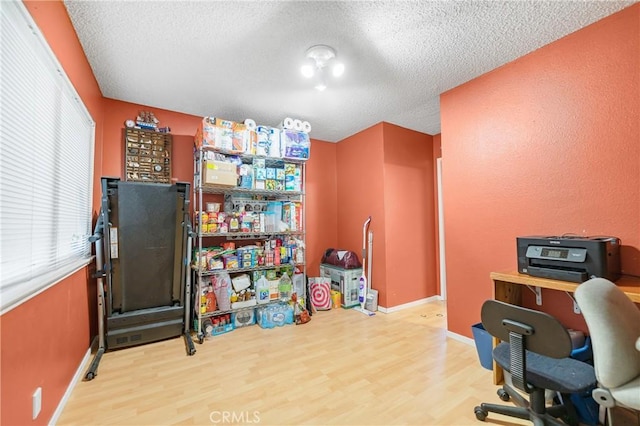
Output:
(536, 355)
(614, 324)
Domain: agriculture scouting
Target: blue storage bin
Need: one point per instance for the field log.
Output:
(586, 407)
(484, 345)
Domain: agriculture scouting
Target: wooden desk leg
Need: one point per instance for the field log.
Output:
(498, 372)
(510, 293)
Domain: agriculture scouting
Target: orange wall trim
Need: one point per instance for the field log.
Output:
(546, 145)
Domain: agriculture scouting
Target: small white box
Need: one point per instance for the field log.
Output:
(241, 282)
(345, 281)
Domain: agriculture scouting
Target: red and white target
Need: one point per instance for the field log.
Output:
(321, 294)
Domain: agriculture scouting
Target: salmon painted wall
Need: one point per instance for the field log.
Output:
(183, 128)
(321, 199)
(360, 182)
(409, 215)
(45, 339)
(547, 144)
(437, 146)
(377, 170)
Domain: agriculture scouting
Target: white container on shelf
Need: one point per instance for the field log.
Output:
(262, 290)
(213, 207)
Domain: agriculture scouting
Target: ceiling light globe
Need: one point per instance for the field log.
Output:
(338, 69)
(320, 87)
(307, 70)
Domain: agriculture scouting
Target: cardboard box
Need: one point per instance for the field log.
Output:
(346, 281)
(292, 177)
(224, 135)
(250, 141)
(219, 173)
(271, 173)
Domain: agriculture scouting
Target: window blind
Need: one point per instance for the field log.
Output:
(46, 164)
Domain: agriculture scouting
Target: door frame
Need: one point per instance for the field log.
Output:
(441, 250)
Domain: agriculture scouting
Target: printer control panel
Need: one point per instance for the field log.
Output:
(568, 254)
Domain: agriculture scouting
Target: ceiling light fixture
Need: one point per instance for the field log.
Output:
(318, 59)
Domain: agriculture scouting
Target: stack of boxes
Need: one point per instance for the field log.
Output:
(228, 171)
(275, 252)
(226, 135)
(292, 177)
(263, 141)
(229, 138)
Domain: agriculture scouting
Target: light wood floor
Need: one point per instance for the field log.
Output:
(342, 368)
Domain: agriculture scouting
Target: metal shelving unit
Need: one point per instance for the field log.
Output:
(216, 189)
(200, 190)
(249, 235)
(238, 270)
(229, 311)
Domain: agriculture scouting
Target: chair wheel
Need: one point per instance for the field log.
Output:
(503, 395)
(480, 413)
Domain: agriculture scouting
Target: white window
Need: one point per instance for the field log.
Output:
(46, 164)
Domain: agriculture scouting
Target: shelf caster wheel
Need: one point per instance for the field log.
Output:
(90, 376)
(192, 351)
(503, 395)
(480, 413)
(200, 338)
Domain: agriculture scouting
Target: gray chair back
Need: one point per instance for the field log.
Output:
(549, 337)
(614, 325)
(525, 330)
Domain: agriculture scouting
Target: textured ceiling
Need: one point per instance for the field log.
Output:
(241, 59)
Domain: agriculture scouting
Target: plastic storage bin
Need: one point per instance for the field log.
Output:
(484, 345)
(586, 407)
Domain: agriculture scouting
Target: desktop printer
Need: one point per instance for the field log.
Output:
(569, 258)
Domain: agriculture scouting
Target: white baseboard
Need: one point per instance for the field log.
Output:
(409, 305)
(460, 338)
(74, 381)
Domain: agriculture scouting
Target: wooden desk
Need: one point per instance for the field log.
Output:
(507, 287)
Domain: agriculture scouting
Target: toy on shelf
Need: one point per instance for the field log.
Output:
(147, 120)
